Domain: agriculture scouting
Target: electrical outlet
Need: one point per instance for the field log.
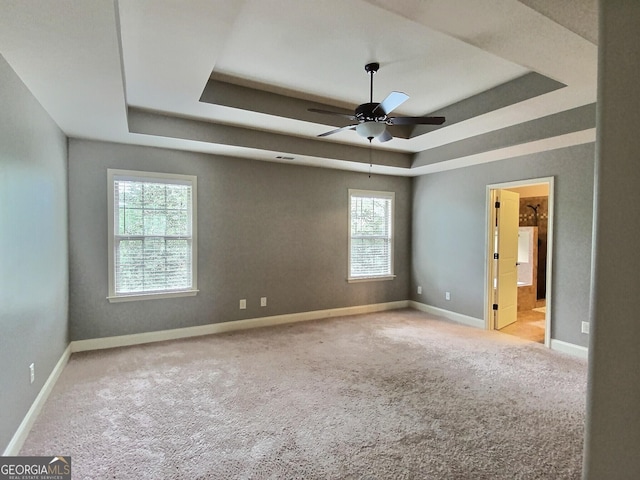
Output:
(243, 304)
(447, 295)
(585, 327)
(32, 372)
(263, 301)
(419, 290)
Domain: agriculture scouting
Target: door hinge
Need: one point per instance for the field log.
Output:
(496, 256)
(495, 306)
(498, 204)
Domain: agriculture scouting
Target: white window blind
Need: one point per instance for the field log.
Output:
(371, 234)
(152, 234)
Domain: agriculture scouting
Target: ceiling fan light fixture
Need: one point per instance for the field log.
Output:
(373, 117)
(370, 129)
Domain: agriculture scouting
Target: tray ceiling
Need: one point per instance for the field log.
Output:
(235, 78)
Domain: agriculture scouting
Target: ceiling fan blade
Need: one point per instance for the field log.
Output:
(348, 127)
(393, 101)
(416, 120)
(327, 112)
(385, 137)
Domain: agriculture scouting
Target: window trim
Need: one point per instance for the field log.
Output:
(171, 178)
(368, 194)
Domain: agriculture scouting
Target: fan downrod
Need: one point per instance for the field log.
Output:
(371, 68)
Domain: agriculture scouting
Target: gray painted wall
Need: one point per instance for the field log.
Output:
(264, 229)
(612, 438)
(449, 234)
(33, 248)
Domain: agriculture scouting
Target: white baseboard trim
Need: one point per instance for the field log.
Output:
(456, 317)
(27, 422)
(174, 334)
(570, 348)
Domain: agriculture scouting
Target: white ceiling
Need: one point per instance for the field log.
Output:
(95, 65)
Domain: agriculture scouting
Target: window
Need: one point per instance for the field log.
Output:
(371, 235)
(152, 235)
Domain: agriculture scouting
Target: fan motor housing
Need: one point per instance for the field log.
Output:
(364, 113)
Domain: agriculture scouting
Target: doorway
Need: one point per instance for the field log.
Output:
(530, 286)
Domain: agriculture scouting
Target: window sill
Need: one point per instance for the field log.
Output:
(151, 296)
(370, 279)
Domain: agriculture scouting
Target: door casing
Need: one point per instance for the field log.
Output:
(489, 238)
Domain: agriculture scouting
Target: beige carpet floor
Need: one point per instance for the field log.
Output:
(392, 395)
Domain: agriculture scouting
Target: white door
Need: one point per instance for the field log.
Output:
(505, 301)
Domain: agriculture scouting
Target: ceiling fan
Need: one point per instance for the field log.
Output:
(373, 117)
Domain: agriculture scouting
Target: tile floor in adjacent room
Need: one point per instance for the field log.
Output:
(529, 326)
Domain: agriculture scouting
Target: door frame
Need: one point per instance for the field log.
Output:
(489, 238)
